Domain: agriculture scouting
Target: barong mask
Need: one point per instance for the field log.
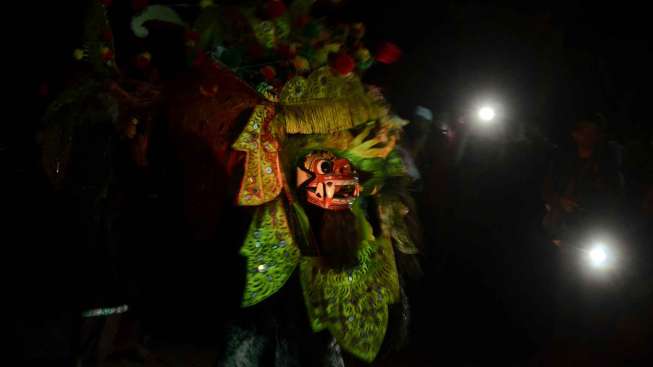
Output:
(327, 181)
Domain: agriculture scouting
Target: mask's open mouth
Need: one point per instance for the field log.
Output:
(345, 191)
(333, 193)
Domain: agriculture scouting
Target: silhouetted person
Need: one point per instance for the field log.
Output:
(581, 185)
(582, 193)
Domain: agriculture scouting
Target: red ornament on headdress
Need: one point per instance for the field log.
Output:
(388, 53)
(268, 72)
(343, 63)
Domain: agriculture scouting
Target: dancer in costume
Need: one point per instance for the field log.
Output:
(323, 171)
(276, 97)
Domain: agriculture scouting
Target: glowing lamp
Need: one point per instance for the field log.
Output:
(598, 256)
(486, 114)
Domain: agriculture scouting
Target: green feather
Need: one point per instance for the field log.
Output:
(271, 253)
(353, 305)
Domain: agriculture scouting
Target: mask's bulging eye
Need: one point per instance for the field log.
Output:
(325, 167)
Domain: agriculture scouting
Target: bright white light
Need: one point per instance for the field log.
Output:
(598, 256)
(486, 113)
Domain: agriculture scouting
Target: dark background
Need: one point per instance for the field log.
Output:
(487, 292)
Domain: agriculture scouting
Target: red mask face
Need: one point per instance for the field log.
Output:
(330, 182)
